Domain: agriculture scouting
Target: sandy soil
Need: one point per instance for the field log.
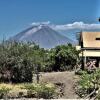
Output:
(68, 78)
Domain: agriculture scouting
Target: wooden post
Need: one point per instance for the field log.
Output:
(84, 60)
(37, 74)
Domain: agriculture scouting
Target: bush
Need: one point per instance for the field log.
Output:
(18, 61)
(15, 64)
(46, 91)
(4, 91)
(23, 71)
(87, 83)
(80, 72)
(63, 57)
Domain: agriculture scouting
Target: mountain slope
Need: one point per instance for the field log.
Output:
(42, 35)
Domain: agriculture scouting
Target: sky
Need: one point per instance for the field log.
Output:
(17, 15)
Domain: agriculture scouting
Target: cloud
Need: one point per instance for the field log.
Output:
(39, 23)
(76, 25)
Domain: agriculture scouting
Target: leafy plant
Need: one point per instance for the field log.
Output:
(87, 83)
(18, 61)
(3, 91)
(64, 57)
(41, 91)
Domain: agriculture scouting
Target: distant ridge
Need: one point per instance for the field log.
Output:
(42, 35)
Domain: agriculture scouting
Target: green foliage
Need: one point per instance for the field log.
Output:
(88, 82)
(18, 61)
(80, 72)
(41, 91)
(45, 92)
(15, 64)
(3, 91)
(27, 90)
(64, 57)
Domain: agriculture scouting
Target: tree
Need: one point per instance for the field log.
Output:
(65, 56)
(15, 64)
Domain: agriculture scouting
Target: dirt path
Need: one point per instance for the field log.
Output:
(68, 78)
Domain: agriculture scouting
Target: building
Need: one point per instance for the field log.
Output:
(89, 44)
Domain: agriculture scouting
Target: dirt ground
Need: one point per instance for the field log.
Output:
(68, 78)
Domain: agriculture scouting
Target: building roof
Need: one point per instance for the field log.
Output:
(91, 39)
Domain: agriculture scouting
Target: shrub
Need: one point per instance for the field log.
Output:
(4, 91)
(46, 91)
(64, 57)
(18, 61)
(41, 91)
(80, 72)
(15, 64)
(87, 83)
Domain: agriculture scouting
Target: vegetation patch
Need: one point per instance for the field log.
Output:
(88, 83)
(46, 91)
(18, 61)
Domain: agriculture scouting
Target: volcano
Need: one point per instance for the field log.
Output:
(42, 35)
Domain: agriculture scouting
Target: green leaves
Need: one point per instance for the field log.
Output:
(46, 91)
(88, 82)
(15, 60)
(21, 60)
(64, 56)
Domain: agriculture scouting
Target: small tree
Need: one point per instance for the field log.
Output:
(65, 57)
(15, 64)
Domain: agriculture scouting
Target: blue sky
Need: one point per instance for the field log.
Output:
(16, 15)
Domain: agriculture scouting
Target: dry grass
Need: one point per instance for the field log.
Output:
(20, 90)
